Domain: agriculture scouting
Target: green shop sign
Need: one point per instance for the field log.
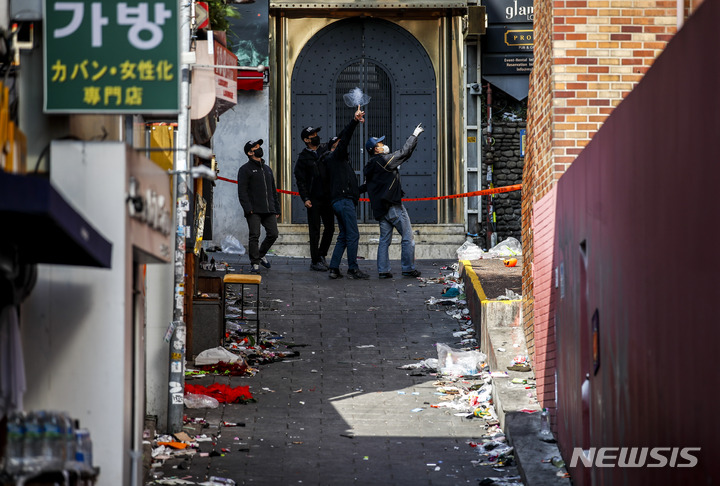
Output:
(111, 57)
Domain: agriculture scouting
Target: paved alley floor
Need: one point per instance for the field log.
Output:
(341, 412)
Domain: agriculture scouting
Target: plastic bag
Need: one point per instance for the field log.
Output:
(457, 362)
(230, 244)
(509, 295)
(200, 401)
(470, 251)
(214, 356)
(509, 247)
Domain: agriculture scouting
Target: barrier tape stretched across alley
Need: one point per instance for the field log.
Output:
(484, 192)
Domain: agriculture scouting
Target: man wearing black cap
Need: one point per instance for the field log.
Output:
(344, 195)
(311, 181)
(383, 186)
(260, 202)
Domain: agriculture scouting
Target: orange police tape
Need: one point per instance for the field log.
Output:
(484, 192)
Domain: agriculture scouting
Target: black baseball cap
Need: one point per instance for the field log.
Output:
(332, 141)
(251, 144)
(308, 130)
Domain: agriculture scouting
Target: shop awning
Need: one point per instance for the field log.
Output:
(44, 228)
(250, 80)
(516, 85)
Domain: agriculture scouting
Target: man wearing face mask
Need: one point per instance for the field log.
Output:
(312, 182)
(260, 202)
(385, 191)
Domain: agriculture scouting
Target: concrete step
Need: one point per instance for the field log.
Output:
(432, 241)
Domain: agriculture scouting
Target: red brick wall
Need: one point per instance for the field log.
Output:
(544, 326)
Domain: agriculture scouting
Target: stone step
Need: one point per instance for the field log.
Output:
(431, 241)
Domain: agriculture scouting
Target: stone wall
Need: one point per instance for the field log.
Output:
(507, 162)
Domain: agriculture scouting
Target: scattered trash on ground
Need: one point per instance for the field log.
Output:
(508, 248)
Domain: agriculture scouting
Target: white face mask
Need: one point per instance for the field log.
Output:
(386, 149)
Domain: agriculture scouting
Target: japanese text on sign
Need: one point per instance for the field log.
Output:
(111, 57)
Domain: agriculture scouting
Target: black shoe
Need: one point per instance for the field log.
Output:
(413, 273)
(254, 268)
(318, 267)
(357, 274)
(335, 273)
(385, 275)
(265, 263)
(324, 262)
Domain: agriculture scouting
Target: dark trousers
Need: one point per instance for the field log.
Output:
(269, 222)
(320, 212)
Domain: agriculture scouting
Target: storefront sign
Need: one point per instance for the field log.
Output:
(111, 57)
(509, 11)
(509, 38)
(507, 64)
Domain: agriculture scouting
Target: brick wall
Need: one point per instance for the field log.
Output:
(589, 54)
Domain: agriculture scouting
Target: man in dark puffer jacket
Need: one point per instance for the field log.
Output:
(260, 202)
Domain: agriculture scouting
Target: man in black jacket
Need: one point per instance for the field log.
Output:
(260, 202)
(385, 192)
(344, 195)
(311, 181)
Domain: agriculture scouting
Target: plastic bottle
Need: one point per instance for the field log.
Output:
(83, 451)
(69, 439)
(545, 433)
(33, 443)
(53, 442)
(14, 455)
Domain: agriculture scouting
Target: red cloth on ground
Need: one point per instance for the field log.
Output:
(222, 393)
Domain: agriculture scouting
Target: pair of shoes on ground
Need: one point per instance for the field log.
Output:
(411, 273)
(255, 268)
(320, 266)
(354, 273)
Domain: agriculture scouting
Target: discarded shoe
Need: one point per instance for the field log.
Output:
(318, 267)
(413, 273)
(357, 274)
(335, 273)
(254, 268)
(385, 275)
(265, 263)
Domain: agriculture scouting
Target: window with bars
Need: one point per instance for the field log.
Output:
(375, 82)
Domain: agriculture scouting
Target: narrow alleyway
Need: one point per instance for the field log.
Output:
(342, 412)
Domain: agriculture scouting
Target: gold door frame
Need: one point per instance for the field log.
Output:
(442, 38)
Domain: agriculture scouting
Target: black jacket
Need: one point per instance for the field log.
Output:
(383, 178)
(256, 188)
(341, 178)
(310, 177)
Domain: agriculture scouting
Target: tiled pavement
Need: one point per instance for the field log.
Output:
(341, 412)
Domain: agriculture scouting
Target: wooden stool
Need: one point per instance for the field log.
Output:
(243, 280)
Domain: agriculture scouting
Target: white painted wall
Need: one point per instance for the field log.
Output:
(249, 119)
(74, 324)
